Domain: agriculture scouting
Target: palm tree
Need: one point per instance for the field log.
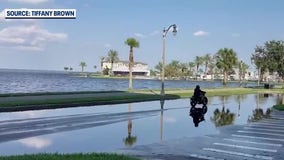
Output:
(242, 70)
(198, 62)
(159, 67)
(132, 43)
(83, 65)
(191, 67)
(112, 57)
(102, 62)
(207, 58)
(226, 59)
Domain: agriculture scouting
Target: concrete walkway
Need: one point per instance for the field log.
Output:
(262, 140)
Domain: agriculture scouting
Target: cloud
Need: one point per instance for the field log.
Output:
(29, 1)
(35, 142)
(140, 35)
(201, 33)
(29, 38)
(156, 32)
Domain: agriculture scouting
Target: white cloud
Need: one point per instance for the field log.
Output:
(29, 1)
(35, 142)
(140, 35)
(201, 33)
(156, 32)
(32, 38)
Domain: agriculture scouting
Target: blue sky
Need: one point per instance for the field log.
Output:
(203, 27)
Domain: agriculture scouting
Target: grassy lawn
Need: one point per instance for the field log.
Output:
(279, 107)
(88, 156)
(29, 101)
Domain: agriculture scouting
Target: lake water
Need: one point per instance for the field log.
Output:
(111, 127)
(22, 81)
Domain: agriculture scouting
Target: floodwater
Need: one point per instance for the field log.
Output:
(111, 127)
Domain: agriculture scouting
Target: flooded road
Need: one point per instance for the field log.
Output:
(111, 127)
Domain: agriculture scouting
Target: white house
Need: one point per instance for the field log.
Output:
(122, 68)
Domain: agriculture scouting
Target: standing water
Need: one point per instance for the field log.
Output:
(111, 127)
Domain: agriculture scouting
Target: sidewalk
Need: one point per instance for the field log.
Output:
(258, 140)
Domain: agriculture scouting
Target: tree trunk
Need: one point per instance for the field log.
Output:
(110, 71)
(225, 79)
(131, 61)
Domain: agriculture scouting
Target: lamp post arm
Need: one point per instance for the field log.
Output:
(165, 31)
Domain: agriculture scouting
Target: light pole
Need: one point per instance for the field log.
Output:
(241, 72)
(165, 31)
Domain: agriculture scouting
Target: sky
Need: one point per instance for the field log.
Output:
(101, 25)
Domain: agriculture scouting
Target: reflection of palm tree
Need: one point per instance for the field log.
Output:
(258, 114)
(130, 140)
(222, 118)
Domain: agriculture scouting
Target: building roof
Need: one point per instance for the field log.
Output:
(126, 62)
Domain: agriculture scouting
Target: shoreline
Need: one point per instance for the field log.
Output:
(53, 100)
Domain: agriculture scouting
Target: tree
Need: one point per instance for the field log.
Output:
(260, 59)
(83, 65)
(212, 66)
(207, 58)
(102, 62)
(275, 56)
(159, 67)
(112, 57)
(242, 67)
(198, 62)
(132, 43)
(191, 66)
(172, 69)
(226, 59)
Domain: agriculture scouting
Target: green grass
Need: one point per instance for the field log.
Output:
(279, 107)
(29, 101)
(80, 156)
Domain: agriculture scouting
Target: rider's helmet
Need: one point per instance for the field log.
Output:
(197, 87)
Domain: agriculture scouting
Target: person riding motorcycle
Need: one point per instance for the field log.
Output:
(197, 93)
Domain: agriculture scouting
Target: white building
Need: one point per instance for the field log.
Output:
(122, 68)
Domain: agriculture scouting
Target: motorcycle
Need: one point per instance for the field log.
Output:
(198, 113)
(200, 100)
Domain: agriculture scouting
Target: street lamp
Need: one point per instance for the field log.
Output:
(165, 31)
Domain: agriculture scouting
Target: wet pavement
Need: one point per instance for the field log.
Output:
(263, 140)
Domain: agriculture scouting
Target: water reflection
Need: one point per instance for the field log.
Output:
(134, 124)
(239, 99)
(280, 99)
(130, 139)
(162, 102)
(223, 117)
(36, 142)
(197, 114)
(258, 114)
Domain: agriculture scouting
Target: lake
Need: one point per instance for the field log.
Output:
(25, 81)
